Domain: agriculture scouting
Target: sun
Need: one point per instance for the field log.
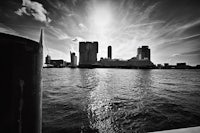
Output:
(101, 23)
(101, 16)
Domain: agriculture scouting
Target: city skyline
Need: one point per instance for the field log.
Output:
(171, 29)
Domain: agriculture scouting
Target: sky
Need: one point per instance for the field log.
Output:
(171, 28)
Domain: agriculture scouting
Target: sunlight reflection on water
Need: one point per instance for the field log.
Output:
(119, 100)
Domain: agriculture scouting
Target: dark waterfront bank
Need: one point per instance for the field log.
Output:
(129, 67)
(119, 100)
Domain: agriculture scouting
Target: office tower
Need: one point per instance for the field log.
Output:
(73, 59)
(88, 53)
(109, 52)
(143, 53)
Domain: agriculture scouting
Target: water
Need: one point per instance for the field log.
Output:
(119, 100)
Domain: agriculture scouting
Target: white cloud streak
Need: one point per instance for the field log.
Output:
(58, 33)
(82, 26)
(6, 29)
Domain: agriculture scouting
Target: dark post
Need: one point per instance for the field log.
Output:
(20, 96)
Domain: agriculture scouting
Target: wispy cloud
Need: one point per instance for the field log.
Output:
(173, 29)
(195, 52)
(56, 54)
(188, 37)
(175, 55)
(58, 33)
(83, 27)
(6, 29)
(189, 25)
(189, 53)
(144, 24)
(35, 9)
(78, 39)
(168, 42)
(60, 5)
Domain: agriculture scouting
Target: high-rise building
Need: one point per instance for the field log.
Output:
(87, 53)
(73, 59)
(109, 52)
(143, 53)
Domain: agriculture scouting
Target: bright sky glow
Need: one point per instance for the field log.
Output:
(102, 17)
(170, 28)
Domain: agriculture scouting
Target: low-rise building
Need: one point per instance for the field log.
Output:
(73, 60)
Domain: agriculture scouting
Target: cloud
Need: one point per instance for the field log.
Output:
(21, 11)
(190, 53)
(174, 28)
(82, 26)
(61, 6)
(35, 9)
(144, 24)
(56, 54)
(175, 55)
(189, 37)
(58, 33)
(194, 52)
(170, 42)
(189, 25)
(78, 39)
(6, 29)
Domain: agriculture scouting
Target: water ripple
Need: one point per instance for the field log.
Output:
(119, 100)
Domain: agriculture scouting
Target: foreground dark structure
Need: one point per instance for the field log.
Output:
(21, 63)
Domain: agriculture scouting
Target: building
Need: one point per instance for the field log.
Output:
(159, 66)
(47, 59)
(141, 61)
(181, 66)
(166, 64)
(126, 63)
(73, 59)
(197, 66)
(58, 63)
(109, 52)
(55, 63)
(143, 53)
(87, 53)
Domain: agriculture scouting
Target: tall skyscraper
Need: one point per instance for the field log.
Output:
(73, 59)
(143, 53)
(87, 53)
(109, 52)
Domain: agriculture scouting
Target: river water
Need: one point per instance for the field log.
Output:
(119, 100)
